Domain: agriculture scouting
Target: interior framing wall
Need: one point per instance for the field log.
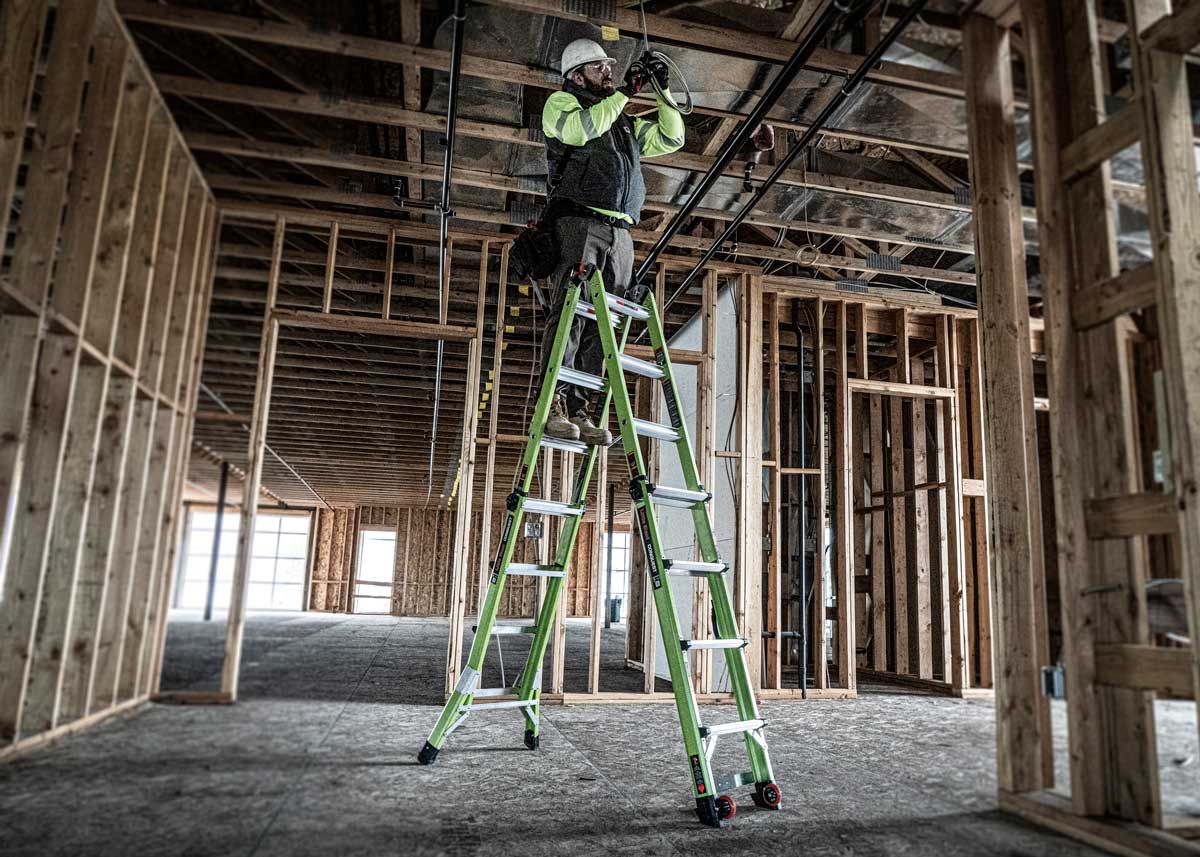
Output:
(102, 316)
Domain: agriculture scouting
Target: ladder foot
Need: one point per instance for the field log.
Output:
(767, 796)
(532, 741)
(706, 810)
(428, 754)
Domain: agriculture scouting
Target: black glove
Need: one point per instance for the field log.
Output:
(635, 79)
(661, 74)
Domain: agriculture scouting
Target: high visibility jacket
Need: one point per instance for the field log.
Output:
(594, 151)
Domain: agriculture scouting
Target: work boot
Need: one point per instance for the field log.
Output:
(589, 432)
(557, 424)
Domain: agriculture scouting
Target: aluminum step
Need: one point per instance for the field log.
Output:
(688, 568)
(658, 431)
(586, 310)
(668, 496)
(732, 728)
(637, 366)
(536, 506)
(485, 692)
(738, 643)
(580, 379)
(624, 307)
(504, 703)
(498, 630)
(564, 445)
(530, 569)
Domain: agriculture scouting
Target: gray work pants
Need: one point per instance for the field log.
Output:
(610, 249)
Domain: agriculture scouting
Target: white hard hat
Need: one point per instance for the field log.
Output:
(580, 52)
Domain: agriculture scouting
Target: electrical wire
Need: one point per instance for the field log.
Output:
(665, 92)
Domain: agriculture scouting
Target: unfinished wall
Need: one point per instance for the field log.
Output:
(104, 304)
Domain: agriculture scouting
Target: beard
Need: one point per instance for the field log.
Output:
(600, 88)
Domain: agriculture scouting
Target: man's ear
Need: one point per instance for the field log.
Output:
(576, 78)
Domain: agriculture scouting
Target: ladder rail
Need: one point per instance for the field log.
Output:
(724, 617)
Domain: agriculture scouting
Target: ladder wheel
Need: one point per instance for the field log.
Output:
(726, 808)
(768, 796)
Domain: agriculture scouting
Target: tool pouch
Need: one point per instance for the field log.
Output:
(534, 254)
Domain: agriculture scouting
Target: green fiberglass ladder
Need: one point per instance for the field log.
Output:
(614, 317)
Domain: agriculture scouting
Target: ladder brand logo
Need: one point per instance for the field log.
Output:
(698, 776)
(672, 403)
(508, 525)
(648, 546)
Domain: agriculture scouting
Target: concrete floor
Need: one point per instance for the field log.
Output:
(319, 758)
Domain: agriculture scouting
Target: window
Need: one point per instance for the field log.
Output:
(376, 572)
(277, 564)
(620, 573)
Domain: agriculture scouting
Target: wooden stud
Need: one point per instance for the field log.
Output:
(235, 624)
(843, 524)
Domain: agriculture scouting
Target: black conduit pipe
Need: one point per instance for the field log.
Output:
(815, 128)
(729, 151)
(445, 213)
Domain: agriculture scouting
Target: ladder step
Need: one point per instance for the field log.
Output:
(668, 496)
(645, 368)
(536, 506)
(624, 307)
(564, 445)
(646, 428)
(485, 692)
(530, 569)
(504, 703)
(581, 379)
(497, 630)
(688, 568)
(731, 728)
(586, 310)
(738, 643)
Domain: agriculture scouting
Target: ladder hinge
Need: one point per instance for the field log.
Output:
(514, 500)
(637, 487)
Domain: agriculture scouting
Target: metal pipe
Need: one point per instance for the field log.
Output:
(783, 79)
(869, 62)
(803, 504)
(216, 542)
(459, 16)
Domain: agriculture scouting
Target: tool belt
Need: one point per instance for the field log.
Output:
(535, 253)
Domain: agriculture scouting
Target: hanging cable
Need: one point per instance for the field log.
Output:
(676, 74)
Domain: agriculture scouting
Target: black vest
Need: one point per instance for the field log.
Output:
(602, 173)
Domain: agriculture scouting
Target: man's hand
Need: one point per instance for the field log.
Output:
(659, 71)
(635, 79)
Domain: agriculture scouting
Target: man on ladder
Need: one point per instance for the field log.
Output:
(597, 188)
(595, 193)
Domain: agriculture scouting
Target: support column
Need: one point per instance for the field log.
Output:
(1023, 738)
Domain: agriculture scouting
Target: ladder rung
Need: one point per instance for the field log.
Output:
(731, 728)
(485, 692)
(504, 703)
(646, 428)
(580, 379)
(509, 629)
(668, 496)
(624, 307)
(645, 368)
(688, 568)
(586, 310)
(738, 643)
(530, 569)
(565, 445)
(536, 506)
